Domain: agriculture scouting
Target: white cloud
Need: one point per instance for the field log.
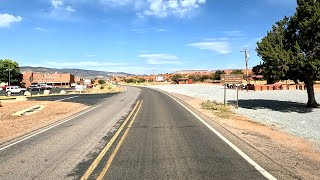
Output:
(161, 30)
(142, 8)
(90, 55)
(217, 39)
(40, 29)
(221, 47)
(146, 30)
(56, 3)
(158, 8)
(59, 10)
(69, 9)
(165, 8)
(157, 59)
(7, 19)
(234, 33)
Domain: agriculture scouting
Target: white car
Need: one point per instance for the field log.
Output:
(45, 86)
(15, 89)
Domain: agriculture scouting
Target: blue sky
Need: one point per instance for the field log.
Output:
(136, 36)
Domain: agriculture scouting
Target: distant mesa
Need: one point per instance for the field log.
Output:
(82, 73)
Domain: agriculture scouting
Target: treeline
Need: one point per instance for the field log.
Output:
(201, 78)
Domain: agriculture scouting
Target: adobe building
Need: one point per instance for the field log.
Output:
(55, 79)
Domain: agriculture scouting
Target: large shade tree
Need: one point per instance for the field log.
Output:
(217, 74)
(291, 50)
(5, 66)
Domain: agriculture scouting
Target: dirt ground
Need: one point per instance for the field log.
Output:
(296, 154)
(317, 87)
(14, 126)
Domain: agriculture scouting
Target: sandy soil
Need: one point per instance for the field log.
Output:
(12, 126)
(317, 87)
(296, 154)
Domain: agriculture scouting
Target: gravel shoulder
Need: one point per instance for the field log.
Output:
(12, 127)
(296, 155)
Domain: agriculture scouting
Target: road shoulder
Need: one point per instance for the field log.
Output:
(13, 127)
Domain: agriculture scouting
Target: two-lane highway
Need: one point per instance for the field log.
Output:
(157, 139)
(166, 141)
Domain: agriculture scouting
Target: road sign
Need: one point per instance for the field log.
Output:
(231, 78)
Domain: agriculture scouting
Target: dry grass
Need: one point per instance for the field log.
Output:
(218, 108)
(104, 88)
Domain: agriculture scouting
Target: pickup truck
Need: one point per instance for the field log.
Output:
(15, 89)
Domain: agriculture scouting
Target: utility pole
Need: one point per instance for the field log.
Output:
(154, 79)
(246, 56)
(9, 76)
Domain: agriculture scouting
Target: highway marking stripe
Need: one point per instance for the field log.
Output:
(114, 153)
(66, 98)
(107, 147)
(265, 173)
(50, 127)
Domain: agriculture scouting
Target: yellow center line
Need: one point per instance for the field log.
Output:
(107, 147)
(114, 153)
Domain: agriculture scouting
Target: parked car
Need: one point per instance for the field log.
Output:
(15, 89)
(45, 86)
(34, 88)
(3, 87)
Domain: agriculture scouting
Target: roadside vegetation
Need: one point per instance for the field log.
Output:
(291, 49)
(217, 108)
(7, 67)
(104, 88)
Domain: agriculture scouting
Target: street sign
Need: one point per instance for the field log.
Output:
(231, 78)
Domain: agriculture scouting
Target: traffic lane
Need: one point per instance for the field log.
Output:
(57, 152)
(168, 142)
(87, 99)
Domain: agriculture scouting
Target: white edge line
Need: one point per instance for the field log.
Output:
(50, 127)
(66, 98)
(265, 173)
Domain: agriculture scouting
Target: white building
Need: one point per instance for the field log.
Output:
(159, 78)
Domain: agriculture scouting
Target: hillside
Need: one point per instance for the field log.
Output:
(77, 72)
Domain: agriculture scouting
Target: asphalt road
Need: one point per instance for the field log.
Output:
(55, 153)
(87, 99)
(162, 140)
(167, 142)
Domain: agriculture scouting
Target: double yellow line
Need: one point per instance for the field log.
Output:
(110, 143)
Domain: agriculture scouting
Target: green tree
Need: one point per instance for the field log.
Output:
(140, 80)
(175, 77)
(204, 77)
(217, 74)
(291, 50)
(195, 77)
(129, 80)
(237, 71)
(101, 81)
(15, 75)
